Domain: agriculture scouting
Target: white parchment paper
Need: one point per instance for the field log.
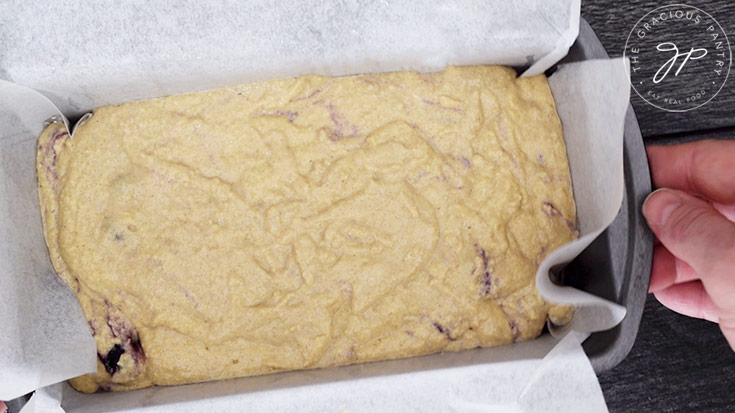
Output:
(85, 54)
(197, 46)
(43, 337)
(542, 375)
(591, 100)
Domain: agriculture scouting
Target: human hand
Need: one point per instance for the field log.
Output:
(694, 221)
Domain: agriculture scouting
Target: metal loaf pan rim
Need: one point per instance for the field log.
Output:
(617, 265)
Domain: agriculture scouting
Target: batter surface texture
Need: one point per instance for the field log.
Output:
(308, 222)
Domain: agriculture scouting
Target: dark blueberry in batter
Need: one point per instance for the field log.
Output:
(111, 359)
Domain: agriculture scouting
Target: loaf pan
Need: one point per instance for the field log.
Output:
(617, 265)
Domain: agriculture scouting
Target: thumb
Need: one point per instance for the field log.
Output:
(693, 231)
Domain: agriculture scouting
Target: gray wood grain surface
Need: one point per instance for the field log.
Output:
(613, 20)
(678, 364)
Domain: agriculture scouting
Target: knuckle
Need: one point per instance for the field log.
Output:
(687, 222)
(709, 238)
(683, 272)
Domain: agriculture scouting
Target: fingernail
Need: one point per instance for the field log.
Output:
(659, 205)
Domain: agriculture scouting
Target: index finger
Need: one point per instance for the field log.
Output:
(705, 168)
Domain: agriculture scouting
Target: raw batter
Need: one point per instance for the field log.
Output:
(308, 222)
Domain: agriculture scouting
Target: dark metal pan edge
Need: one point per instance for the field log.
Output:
(617, 265)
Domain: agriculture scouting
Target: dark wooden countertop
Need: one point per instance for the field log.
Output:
(678, 364)
(613, 20)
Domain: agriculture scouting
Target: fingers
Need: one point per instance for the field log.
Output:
(695, 238)
(695, 233)
(675, 285)
(692, 230)
(701, 168)
(667, 270)
(689, 299)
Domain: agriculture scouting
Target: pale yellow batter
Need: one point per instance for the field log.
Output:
(308, 222)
